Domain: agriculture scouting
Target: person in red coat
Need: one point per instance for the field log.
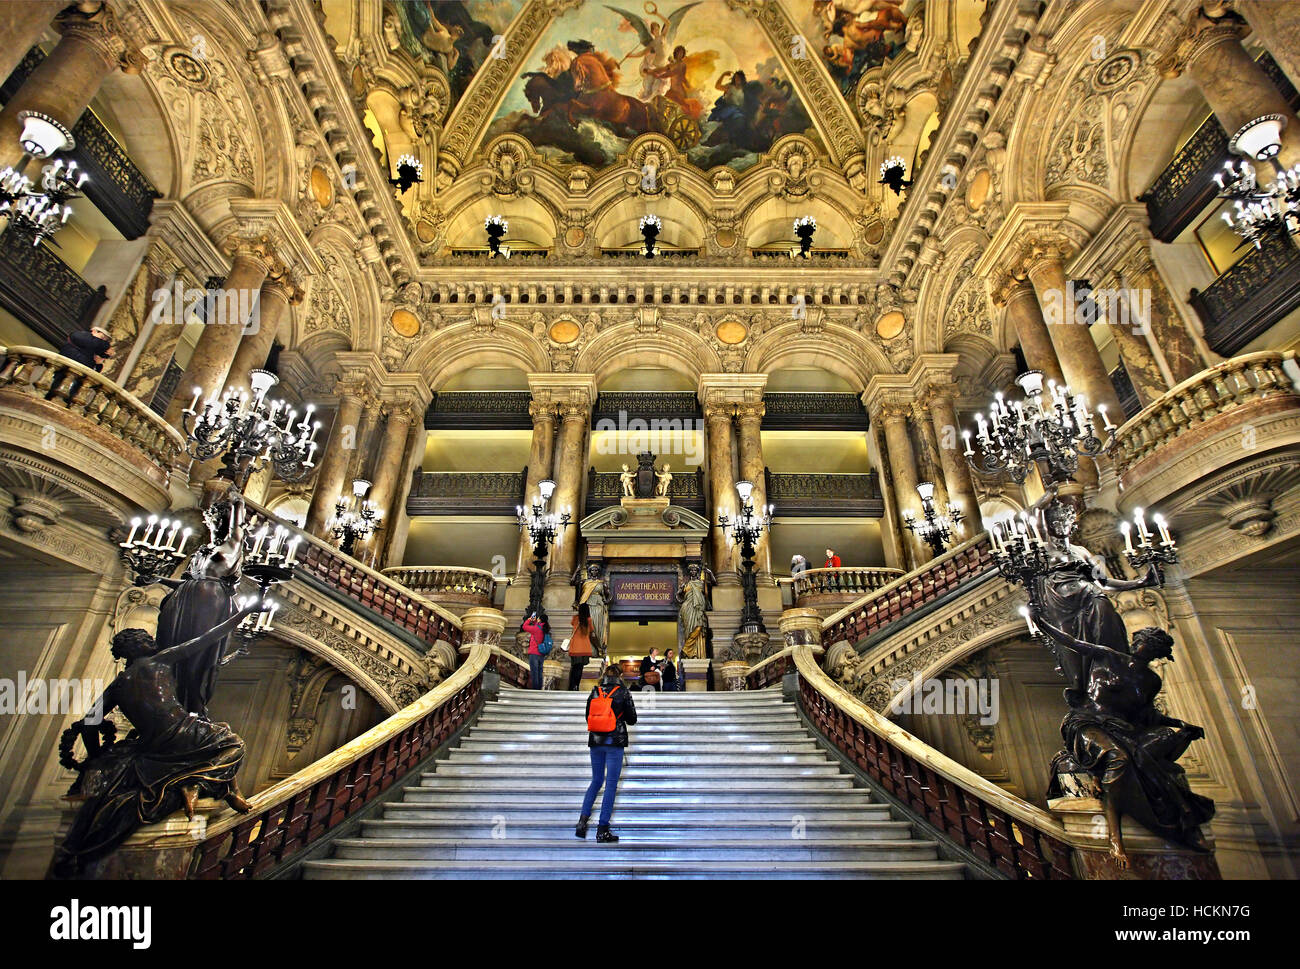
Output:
(832, 562)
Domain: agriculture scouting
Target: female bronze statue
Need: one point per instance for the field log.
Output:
(594, 591)
(1129, 746)
(168, 760)
(204, 598)
(692, 617)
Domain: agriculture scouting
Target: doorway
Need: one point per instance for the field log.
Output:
(632, 640)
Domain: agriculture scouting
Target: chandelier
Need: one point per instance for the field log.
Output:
(355, 519)
(542, 526)
(40, 212)
(271, 560)
(937, 529)
(893, 174)
(1048, 430)
(251, 432)
(746, 528)
(1260, 212)
(496, 227)
(804, 227)
(649, 226)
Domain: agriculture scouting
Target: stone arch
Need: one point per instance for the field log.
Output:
(788, 346)
(772, 221)
(301, 635)
(438, 360)
(675, 348)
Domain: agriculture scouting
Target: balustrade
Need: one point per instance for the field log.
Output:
(461, 585)
(816, 585)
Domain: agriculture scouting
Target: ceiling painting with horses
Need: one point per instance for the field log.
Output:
(703, 74)
(455, 36)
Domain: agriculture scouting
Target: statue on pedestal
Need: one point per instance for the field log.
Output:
(664, 480)
(1117, 735)
(170, 757)
(626, 479)
(594, 591)
(692, 617)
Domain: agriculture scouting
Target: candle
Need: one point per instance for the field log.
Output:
(1141, 521)
(195, 402)
(176, 529)
(1029, 620)
(311, 452)
(1105, 421)
(1165, 538)
(1033, 523)
(970, 453)
(293, 550)
(149, 524)
(185, 537)
(1128, 537)
(261, 537)
(135, 523)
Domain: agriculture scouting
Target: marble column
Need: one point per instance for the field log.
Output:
(902, 463)
(1236, 88)
(1277, 24)
(750, 439)
(1026, 316)
(1075, 348)
(61, 87)
(332, 466)
(209, 364)
(389, 464)
(722, 486)
(279, 292)
(570, 468)
(542, 411)
(938, 401)
(21, 24)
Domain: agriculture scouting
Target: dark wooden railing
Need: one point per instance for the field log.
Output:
(486, 410)
(1251, 295)
(816, 494)
(604, 488)
(807, 411)
(466, 492)
(43, 291)
(1016, 839)
(910, 593)
(511, 668)
(292, 815)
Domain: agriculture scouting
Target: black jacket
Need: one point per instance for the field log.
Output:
(83, 346)
(624, 712)
(649, 664)
(669, 671)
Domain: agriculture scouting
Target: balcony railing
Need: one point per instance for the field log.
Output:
(1249, 391)
(469, 586)
(1251, 295)
(909, 594)
(803, 495)
(844, 585)
(43, 291)
(466, 492)
(51, 389)
(611, 405)
(605, 488)
(814, 411)
(484, 410)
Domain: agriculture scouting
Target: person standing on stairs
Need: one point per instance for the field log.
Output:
(579, 645)
(669, 672)
(610, 711)
(538, 629)
(650, 673)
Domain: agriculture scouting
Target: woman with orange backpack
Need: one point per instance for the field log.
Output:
(609, 712)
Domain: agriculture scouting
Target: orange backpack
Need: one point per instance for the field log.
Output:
(600, 715)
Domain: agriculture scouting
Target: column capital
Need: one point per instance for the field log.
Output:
(359, 373)
(407, 396)
(889, 397)
(284, 283)
(96, 25)
(1121, 248)
(1030, 232)
(273, 219)
(728, 392)
(1202, 32)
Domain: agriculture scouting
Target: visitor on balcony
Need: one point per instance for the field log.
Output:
(91, 348)
(798, 565)
(610, 711)
(832, 562)
(579, 645)
(539, 633)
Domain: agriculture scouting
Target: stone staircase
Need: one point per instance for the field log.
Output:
(715, 785)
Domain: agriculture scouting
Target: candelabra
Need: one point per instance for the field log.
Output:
(1260, 212)
(893, 171)
(409, 172)
(542, 527)
(39, 212)
(1019, 549)
(355, 519)
(249, 434)
(1146, 552)
(267, 563)
(1051, 435)
(650, 226)
(496, 227)
(746, 528)
(155, 553)
(938, 529)
(804, 227)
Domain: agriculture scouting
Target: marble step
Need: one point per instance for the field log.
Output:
(719, 760)
(614, 866)
(661, 747)
(634, 768)
(523, 783)
(638, 849)
(474, 795)
(666, 827)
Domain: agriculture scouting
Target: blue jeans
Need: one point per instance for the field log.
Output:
(606, 764)
(535, 671)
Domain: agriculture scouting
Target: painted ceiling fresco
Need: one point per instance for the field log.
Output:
(853, 36)
(701, 72)
(455, 36)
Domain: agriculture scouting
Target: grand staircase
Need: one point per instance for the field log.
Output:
(715, 785)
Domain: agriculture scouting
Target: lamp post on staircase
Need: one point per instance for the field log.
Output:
(746, 529)
(542, 527)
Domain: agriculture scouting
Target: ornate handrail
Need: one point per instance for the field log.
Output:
(1251, 295)
(842, 581)
(470, 584)
(393, 602)
(510, 667)
(289, 816)
(1018, 839)
(89, 395)
(1198, 400)
(910, 592)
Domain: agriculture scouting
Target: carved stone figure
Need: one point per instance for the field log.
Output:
(594, 591)
(664, 480)
(168, 760)
(626, 478)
